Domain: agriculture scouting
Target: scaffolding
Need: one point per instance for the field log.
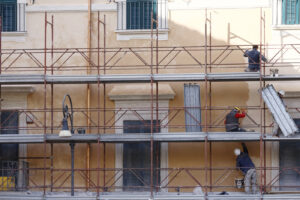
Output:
(52, 66)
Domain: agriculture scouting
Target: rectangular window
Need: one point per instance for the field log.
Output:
(289, 177)
(290, 12)
(138, 14)
(9, 153)
(8, 12)
(137, 156)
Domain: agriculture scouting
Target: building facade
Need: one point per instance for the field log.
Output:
(151, 82)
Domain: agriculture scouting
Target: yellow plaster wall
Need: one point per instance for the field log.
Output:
(229, 26)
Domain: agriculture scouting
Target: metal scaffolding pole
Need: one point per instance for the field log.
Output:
(45, 102)
(206, 112)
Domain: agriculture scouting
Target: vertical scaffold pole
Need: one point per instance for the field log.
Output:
(264, 105)
(261, 111)
(98, 103)
(52, 106)
(157, 104)
(210, 105)
(45, 101)
(151, 107)
(104, 99)
(206, 107)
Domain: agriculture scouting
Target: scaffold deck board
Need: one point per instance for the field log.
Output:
(158, 137)
(140, 78)
(139, 195)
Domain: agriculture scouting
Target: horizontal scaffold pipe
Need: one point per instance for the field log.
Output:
(139, 78)
(134, 137)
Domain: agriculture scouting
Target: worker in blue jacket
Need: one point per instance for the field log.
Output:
(245, 164)
(254, 59)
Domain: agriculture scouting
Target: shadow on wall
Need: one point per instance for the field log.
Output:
(179, 155)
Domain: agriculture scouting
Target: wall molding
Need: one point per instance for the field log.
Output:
(213, 4)
(141, 34)
(70, 8)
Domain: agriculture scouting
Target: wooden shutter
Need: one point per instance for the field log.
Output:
(192, 108)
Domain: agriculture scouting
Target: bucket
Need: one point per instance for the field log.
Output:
(7, 183)
(239, 183)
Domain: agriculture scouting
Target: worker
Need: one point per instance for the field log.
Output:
(232, 120)
(245, 164)
(254, 59)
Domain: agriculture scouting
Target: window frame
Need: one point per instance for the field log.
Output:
(20, 23)
(284, 19)
(277, 17)
(122, 116)
(291, 100)
(138, 17)
(127, 34)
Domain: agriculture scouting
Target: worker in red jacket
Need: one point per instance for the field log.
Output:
(232, 120)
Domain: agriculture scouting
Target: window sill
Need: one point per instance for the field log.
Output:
(14, 36)
(286, 27)
(141, 34)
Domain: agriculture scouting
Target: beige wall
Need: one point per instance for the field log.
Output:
(186, 28)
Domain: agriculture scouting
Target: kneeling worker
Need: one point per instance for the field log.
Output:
(245, 164)
(232, 120)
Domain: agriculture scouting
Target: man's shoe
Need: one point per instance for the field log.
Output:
(247, 70)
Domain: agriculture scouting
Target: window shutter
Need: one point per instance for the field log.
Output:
(192, 108)
(290, 11)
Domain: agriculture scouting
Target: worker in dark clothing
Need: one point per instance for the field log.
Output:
(245, 164)
(254, 59)
(232, 120)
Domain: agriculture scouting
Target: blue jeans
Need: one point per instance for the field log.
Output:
(254, 68)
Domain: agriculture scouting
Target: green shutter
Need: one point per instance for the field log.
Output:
(290, 12)
(8, 12)
(138, 14)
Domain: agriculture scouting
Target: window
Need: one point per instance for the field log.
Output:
(289, 177)
(290, 12)
(13, 16)
(134, 19)
(138, 14)
(8, 10)
(137, 156)
(9, 153)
